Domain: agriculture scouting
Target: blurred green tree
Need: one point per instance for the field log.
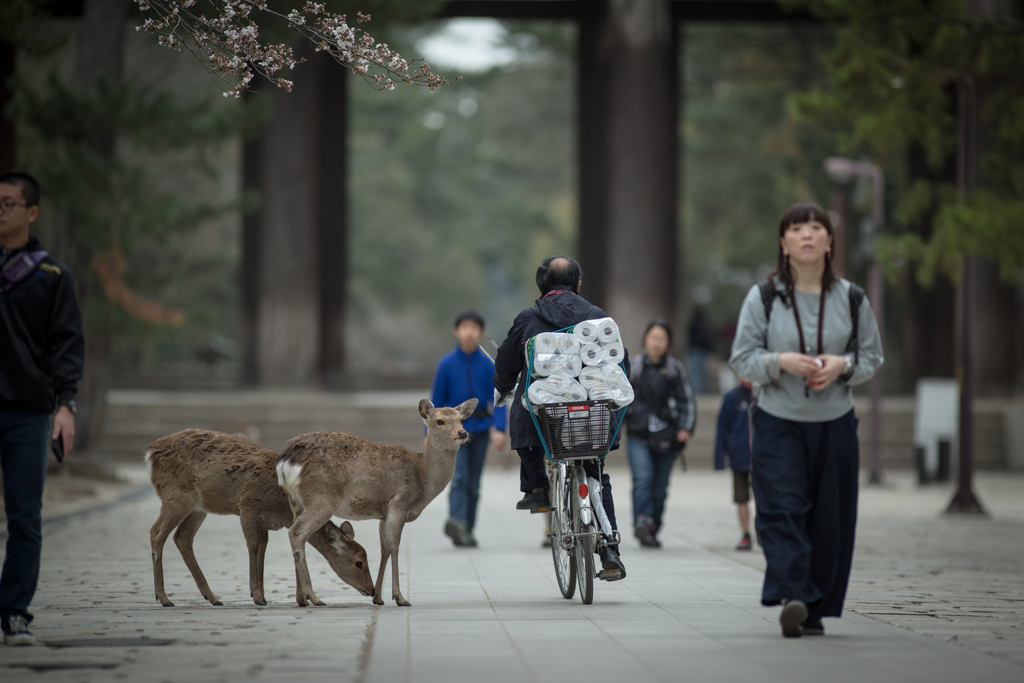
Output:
(892, 76)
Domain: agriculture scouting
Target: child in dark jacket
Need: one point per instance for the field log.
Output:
(732, 443)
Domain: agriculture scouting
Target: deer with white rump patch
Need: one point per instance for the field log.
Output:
(327, 473)
(196, 471)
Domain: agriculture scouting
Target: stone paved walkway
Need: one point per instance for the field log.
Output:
(689, 611)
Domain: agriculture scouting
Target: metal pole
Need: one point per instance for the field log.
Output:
(964, 501)
(876, 293)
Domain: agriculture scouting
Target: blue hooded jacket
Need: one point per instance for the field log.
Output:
(458, 370)
(732, 441)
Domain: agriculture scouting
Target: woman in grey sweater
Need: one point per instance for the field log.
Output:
(803, 360)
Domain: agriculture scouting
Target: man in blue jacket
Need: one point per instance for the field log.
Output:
(732, 443)
(560, 305)
(463, 374)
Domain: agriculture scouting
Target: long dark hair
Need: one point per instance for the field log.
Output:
(804, 212)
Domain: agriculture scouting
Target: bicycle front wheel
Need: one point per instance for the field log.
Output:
(561, 516)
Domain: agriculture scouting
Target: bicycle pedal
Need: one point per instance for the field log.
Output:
(537, 511)
(609, 574)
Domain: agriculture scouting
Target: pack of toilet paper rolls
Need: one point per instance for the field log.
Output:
(555, 342)
(600, 331)
(592, 352)
(547, 364)
(602, 354)
(556, 389)
(607, 382)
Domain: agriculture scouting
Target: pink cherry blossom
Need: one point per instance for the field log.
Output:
(228, 44)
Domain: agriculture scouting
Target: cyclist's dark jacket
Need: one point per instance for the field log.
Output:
(556, 310)
(42, 348)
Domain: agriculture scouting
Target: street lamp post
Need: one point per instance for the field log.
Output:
(841, 170)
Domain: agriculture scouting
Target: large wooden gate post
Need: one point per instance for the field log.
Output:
(628, 174)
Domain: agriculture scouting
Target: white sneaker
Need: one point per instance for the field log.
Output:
(17, 632)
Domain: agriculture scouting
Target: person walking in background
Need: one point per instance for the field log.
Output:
(462, 374)
(42, 351)
(660, 422)
(806, 337)
(732, 444)
(702, 343)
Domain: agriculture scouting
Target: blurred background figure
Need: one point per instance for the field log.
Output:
(462, 374)
(660, 422)
(702, 343)
(732, 444)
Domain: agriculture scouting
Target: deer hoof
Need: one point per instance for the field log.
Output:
(261, 602)
(377, 600)
(402, 602)
(167, 603)
(217, 603)
(319, 603)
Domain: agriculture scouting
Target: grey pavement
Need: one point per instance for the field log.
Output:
(690, 610)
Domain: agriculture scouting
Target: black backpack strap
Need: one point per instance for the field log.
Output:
(856, 298)
(768, 294)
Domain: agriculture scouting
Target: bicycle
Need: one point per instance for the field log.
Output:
(571, 434)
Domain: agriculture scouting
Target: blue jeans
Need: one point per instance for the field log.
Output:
(652, 471)
(465, 492)
(24, 444)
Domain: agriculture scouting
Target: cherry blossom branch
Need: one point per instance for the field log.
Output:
(229, 46)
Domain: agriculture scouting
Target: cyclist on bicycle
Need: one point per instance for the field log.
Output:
(560, 306)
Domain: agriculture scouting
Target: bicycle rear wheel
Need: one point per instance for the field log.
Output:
(584, 550)
(560, 526)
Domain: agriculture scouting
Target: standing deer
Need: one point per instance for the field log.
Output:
(327, 473)
(196, 471)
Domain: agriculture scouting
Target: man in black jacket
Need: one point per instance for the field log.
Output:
(41, 356)
(560, 306)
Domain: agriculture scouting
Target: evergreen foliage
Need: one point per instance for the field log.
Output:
(110, 204)
(892, 77)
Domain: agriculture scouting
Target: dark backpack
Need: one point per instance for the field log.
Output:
(769, 292)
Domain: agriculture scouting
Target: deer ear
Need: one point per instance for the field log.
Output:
(347, 531)
(426, 408)
(467, 408)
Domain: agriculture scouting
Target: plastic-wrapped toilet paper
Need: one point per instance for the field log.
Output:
(547, 364)
(607, 382)
(600, 331)
(555, 342)
(598, 354)
(556, 389)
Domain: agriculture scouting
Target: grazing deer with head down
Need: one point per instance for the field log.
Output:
(196, 471)
(327, 473)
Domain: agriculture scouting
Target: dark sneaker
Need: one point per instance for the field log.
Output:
(469, 540)
(643, 529)
(456, 531)
(612, 568)
(813, 627)
(744, 543)
(793, 615)
(534, 501)
(16, 631)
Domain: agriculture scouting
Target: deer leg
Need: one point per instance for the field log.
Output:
(255, 538)
(261, 555)
(183, 538)
(308, 521)
(385, 552)
(394, 531)
(172, 512)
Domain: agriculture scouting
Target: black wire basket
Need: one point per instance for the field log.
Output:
(577, 430)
